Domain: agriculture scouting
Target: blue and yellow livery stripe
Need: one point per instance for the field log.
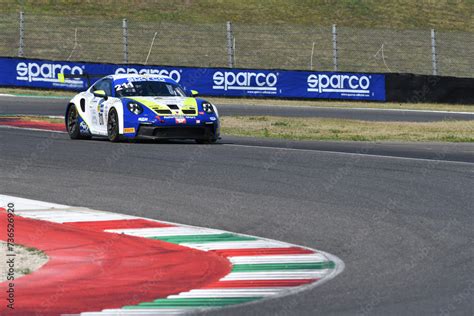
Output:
(188, 104)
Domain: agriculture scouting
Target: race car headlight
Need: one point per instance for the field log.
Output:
(135, 108)
(207, 107)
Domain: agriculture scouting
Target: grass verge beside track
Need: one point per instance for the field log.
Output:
(27, 260)
(275, 102)
(317, 128)
(347, 130)
(448, 15)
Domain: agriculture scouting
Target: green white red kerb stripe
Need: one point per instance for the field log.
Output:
(261, 268)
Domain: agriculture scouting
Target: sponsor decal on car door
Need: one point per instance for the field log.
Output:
(99, 109)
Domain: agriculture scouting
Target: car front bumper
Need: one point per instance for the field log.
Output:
(201, 132)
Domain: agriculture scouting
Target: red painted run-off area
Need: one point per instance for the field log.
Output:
(19, 122)
(90, 270)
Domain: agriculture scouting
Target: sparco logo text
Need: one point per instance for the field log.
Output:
(257, 81)
(44, 72)
(173, 74)
(322, 83)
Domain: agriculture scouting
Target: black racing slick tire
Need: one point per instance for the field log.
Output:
(113, 126)
(72, 123)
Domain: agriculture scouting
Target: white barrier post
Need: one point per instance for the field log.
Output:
(21, 46)
(334, 46)
(125, 40)
(433, 53)
(230, 45)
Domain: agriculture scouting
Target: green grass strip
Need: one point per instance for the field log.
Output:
(184, 302)
(203, 238)
(283, 266)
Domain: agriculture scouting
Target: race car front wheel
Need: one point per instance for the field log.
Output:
(113, 126)
(72, 123)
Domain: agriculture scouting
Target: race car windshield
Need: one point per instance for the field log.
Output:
(149, 89)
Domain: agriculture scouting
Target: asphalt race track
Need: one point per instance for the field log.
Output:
(402, 225)
(56, 106)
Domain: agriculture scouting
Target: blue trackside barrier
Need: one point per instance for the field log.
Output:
(37, 73)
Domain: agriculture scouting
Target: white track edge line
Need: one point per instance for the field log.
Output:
(281, 148)
(347, 153)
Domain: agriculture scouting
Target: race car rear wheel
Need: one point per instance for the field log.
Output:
(72, 123)
(113, 126)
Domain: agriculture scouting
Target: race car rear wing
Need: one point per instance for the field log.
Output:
(62, 77)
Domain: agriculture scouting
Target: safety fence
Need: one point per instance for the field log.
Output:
(235, 45)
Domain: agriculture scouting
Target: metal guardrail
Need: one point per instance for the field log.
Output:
(233, 45)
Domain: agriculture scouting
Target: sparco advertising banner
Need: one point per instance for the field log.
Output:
(208, 81)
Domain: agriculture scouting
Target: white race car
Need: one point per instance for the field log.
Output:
(141, 106)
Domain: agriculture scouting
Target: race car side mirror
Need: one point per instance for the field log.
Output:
(194, 93)
(100, 94)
